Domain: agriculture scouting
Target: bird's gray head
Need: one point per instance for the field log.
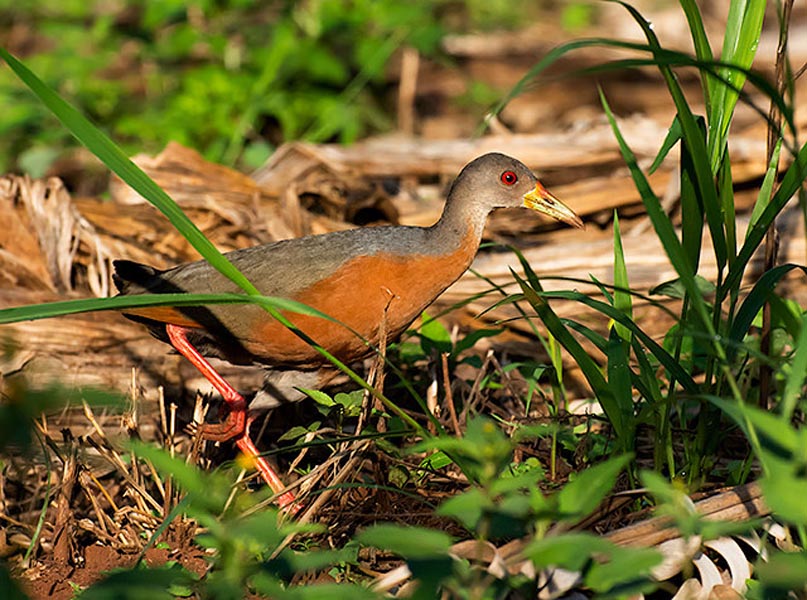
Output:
(496, 180)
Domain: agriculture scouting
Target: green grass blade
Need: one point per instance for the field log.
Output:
(766, 188)
(743, 28)
(756, 299)
(661, 57)
(693, 137)
(121, 303)
(114, 158)
(703, 49)
(726, 190)
(623, 300)
(798, 372)
(691, 209)
(591, 370)
(661, 223)
(670, 140)
(664, 358)
(620, 378)
(791, 183)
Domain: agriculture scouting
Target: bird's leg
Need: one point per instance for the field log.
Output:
(235, 423)
(235, 426)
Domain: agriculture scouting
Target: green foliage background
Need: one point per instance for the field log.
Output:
(231, 78)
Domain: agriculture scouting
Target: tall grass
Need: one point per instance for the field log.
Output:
(713, 339)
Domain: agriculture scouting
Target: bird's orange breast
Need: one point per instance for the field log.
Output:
(366, 294)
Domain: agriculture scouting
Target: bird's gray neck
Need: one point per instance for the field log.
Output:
(457, 224)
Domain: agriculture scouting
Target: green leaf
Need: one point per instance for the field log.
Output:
(591, 371)
(467, 508)
(583, 494)
(670, 140)
(785, 488)
(782, 571)
(795, 378)
(675, 288)
(756, 298)
(571, 551)
(703, 49)
(140, 584)
(663, 225)
(436, 461)
(407, 541)
(624, 567)
(472, 338)
(775, 438)
(743, 28)
(790, 184)
(207, 492)
(434, 336)
(694, 140)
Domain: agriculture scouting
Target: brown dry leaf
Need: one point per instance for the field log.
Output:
(23, 264)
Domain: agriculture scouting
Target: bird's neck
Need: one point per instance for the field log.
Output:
(460, 226)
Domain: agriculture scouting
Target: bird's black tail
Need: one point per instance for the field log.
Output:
(130, 276)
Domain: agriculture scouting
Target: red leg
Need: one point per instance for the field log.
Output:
(235, 425)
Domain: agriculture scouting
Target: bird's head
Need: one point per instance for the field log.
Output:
(496, 180)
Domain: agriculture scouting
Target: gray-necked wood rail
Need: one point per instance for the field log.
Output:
(359, 277)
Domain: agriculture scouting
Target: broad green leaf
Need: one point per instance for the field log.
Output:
(784, 486)
(207, 492)
(773, 437)
(675, 288)
(319, 397)
(794, 384)
(434, 336)
(583, 494)
(624, 568)
(571, 551)
(782, 572)
(407, 541)
(141, 584)
(472, 338)
(467, 508)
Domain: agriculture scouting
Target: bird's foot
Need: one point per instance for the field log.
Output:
(233, 426)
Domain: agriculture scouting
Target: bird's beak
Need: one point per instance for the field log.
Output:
(541, 200)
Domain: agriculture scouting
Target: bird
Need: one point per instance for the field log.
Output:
(360, 278)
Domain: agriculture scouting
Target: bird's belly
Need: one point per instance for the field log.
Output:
(366, 296)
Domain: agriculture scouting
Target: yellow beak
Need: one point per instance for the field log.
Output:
(541, 200)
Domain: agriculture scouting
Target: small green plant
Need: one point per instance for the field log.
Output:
(503, 502)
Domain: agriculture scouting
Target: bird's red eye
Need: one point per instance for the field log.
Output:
(509, 178)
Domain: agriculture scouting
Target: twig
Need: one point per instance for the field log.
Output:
(449, 397)
(772, 236)
(410, 64)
